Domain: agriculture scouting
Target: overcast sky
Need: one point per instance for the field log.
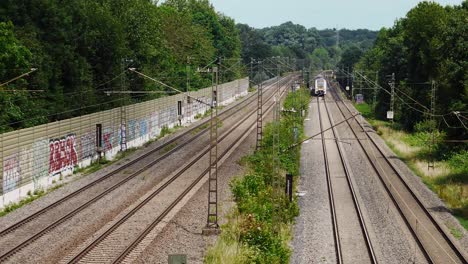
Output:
(351, 14)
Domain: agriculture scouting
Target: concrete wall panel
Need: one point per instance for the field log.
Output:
(34, 157)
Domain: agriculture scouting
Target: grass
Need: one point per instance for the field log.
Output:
(463, 220)
(365, 110)
(200, 128)
(29, 199)
(102, 163)
(455, 232)
(448, 177)
(38, 193)
(169, 147)
(198, 116)
(229, 249)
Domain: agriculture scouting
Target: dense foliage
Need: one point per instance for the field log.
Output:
(310, 47)
(429, 44)
(82, 48)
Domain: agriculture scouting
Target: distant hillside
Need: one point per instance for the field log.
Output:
(296, 41)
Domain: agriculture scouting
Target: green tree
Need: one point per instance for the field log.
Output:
(14, 61)
(253, 46)
(320, 60)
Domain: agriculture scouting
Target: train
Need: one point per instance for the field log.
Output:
(320, 87)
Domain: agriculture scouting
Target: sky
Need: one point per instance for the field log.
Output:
(350, 14)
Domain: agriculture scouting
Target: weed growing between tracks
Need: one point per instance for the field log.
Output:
(448, 179)
(251, 234)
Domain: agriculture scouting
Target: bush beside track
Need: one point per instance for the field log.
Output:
(251, 234)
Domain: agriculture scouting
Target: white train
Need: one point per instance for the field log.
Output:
(320, 87)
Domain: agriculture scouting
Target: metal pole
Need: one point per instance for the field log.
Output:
(251, 68)
(123, 112)
(275, 154)
(392, 98)
(431, 163)
(347, 78)
(260, 113)
(212, 227)
(374, 101)
(188, 74)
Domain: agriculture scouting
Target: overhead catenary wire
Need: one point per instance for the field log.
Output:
(18, 77)
(78, 92)
(461, 121)
(94, 90)
(402, 100)
(168, 86)
(65, 112)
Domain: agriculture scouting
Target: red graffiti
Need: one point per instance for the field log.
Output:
(107, 141)
(62, 154)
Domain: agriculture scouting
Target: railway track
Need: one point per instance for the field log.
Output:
(352, 241)
(143, 218)
(435, 244)
(105, 185)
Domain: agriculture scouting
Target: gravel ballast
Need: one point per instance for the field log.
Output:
(53, 245)
(431, 201)
(313, 233)
(392, 240)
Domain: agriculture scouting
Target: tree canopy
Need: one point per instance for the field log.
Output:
(428, 44)
(311, 47)
(83, 48)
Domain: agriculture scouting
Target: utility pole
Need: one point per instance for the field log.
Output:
(276, 217)
(251, 68)
(431, 163)
(348, 75)
(360, 85)
(260, 112)
(189, 101)
(352, 84)
(374, 101)
(212, 226)
(188, 73)
(276, 182)
(392, 98)
(123, 109)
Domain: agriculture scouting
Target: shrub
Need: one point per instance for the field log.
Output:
(265, 211)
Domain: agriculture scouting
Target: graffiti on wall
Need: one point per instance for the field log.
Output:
(198, 107)
(131, 130)
(25, 156)
(122, 136)
(62, 156)
(153, 124)
(107, 138)
(87, 145)
(40, 163)
(168, 116)
(11, 173)
(143, 127)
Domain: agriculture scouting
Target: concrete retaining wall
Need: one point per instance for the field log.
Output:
(35, 157)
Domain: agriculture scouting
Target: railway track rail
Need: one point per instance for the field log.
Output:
(104, 243)
(199, 130)
(353, 245)
(433, 241)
